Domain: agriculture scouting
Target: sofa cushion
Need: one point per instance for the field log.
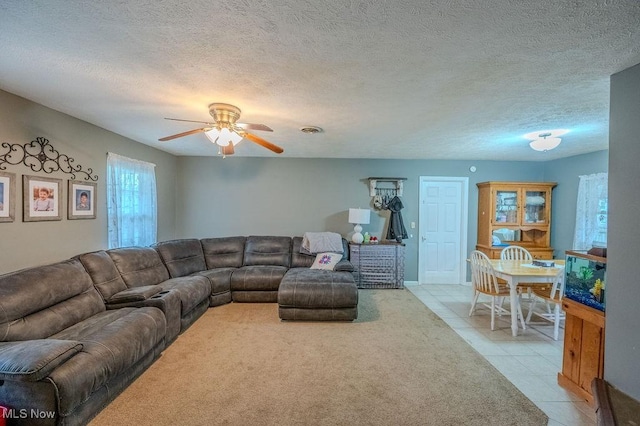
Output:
(272, 251)
(103, 272)
(257, 278)
(135, 294)
(38, 302)
(113, 342)
(139, 266)
(192, 290)
(344, 266)
(181, 257)
(298, 259)
(220, 279)
(225, 252)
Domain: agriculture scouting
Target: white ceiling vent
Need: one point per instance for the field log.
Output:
(310, 129)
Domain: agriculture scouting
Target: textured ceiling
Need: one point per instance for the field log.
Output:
(409, 79)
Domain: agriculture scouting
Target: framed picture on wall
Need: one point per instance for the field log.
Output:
(82, 200)
(41, 198)
(7, 197)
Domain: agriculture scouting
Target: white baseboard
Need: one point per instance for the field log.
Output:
(414, 283)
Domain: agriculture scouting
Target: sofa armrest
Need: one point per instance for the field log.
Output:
(33, 360)
(135, 294)
(345, 266)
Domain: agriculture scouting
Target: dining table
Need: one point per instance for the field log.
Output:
(522, 271)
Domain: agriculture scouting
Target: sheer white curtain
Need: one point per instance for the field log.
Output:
(592, 191)
(131, 202)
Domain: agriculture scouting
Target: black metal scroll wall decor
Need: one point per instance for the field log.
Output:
(41, 156)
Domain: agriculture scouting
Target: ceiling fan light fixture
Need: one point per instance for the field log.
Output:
(235, 138)
(225, 137)
(225, 131)
(213, 134)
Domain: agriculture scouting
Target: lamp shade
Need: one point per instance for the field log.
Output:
(359, 216)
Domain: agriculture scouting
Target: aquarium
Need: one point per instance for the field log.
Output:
(585, 279)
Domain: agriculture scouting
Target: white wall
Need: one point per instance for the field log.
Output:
(24, 244)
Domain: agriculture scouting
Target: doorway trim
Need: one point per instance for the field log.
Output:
(464, 224)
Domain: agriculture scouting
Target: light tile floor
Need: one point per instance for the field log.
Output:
(531, 361)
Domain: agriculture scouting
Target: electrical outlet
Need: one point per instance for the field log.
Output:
(413, 225)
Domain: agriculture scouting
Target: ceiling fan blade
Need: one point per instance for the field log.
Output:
(179, 135)
(262, 142)
(252, 126)
(189, 121)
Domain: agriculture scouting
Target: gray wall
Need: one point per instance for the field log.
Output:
(567, 172)
(622, 342)
(24, 244)
(280, 196)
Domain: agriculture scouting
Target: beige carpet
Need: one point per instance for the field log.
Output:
(398, 364)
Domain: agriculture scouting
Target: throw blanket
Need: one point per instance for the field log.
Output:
(321, 242)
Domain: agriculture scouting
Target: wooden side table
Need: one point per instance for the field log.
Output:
(378, 265)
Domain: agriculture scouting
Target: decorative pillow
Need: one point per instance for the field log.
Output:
(326, 261)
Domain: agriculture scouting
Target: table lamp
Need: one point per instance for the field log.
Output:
(358, 217)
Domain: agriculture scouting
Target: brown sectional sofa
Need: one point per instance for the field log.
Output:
(61, 351)
(74, 334)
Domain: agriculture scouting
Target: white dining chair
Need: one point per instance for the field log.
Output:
(522, 254)
(516, 253)
(552, 294)
(484, 281)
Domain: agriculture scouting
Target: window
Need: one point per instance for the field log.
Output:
(591, 212)
(131, 202)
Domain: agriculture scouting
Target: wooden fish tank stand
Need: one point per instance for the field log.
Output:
(583, 356)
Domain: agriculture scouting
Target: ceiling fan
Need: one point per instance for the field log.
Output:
(225, 131)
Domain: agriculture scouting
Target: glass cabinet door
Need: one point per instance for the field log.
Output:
(535, 207)
(506, 210)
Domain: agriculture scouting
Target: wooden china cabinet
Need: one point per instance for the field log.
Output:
(515, 213)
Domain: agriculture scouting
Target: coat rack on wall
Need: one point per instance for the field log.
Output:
(377, 187)
(40, 156)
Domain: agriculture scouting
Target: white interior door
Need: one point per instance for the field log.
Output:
(443, 229)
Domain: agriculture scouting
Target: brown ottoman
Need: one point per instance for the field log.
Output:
(317, 295)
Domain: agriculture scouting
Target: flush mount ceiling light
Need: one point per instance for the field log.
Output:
(545, 143)
(545, 140)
